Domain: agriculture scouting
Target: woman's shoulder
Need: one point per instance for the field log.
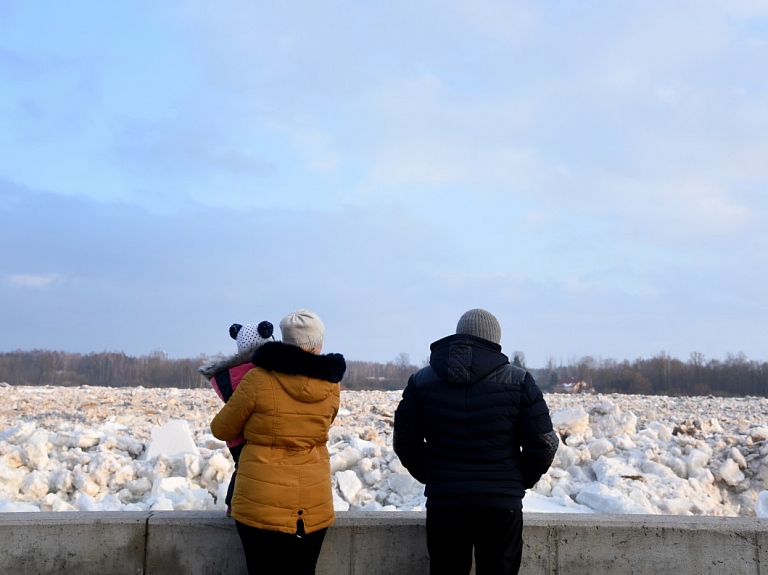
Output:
(292, 360)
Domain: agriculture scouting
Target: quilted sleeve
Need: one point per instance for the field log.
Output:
(408, 440)
(538, 440)
(229, 423)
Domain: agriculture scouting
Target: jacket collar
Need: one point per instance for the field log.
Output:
(292, 360)
(213, 367)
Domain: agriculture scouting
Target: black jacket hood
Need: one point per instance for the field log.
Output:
(464, 359)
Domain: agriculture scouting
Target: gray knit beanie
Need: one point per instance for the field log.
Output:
(302, 328)
(480, 323)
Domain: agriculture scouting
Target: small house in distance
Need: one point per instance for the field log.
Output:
(569, 385)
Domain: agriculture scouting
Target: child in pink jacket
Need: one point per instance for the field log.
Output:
(225, 375)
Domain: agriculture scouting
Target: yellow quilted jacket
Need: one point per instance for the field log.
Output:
(284, 407)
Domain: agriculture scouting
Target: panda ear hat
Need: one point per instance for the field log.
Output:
(234, 329)
(265, 329)
(251, 336)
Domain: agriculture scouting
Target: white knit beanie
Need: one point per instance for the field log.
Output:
(302, 328)
(480, 323)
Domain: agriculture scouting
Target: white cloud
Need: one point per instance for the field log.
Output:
(34, 281)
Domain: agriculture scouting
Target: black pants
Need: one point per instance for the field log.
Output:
(277, 553)
(495, 534)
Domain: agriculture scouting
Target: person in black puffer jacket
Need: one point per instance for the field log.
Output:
(476, 430)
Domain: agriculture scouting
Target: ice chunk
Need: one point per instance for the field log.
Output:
(37, 450)
(35, 485)
(85, 502)
(130, 445)
(219, 469)
(62, 480)
(396, 466)
(349, 485)
(403, 484)
(702, 475)
(535, 503)
(761, 507)
(169, 486)
(678, 506)
(372, 477)
(607, 500)
(210, 442)
(338, 503)
(565, 457)
(696, 459)
(600, 447)
(15, 458)
(52, 502)
(193, 465)
(609, 469)
(11, 507)
(367, 448)
(82, 438)
(121, 476)
(10, 479)
(607, 420)
(573, 421)
(110, 503)
(676, 464)
(623, 442)
(221, 495)
(663, 432)
(738, 458)
(658, 469)
(345, 459)
(162, 504)
(139, 486)
(83, 481)
(730, 473)
(18, 433)
(173, 438)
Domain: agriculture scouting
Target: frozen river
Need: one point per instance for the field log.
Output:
(96, 448)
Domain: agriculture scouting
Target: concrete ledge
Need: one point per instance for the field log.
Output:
(37, 543)
(377, 543)
(646, 544)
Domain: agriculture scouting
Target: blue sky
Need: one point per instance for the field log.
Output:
(593, 173)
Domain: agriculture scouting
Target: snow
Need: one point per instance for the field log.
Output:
(103, 449)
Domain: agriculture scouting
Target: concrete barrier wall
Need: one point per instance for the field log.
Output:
(379, 543)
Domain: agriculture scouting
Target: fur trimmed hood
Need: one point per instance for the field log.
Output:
(213, 367)
(292, 360)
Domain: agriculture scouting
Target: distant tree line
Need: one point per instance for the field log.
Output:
(116, 369)
(664, 375)
(385, 376)
(659, 375)
(109, 368)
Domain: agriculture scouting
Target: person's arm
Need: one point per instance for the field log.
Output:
(222, 385)
(336, 402)
(538, 440)
(229, 423)
(408, 439)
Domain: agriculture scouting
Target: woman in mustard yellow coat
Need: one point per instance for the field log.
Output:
(284, 407)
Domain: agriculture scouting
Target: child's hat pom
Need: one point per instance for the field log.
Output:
(234, 329)
(265, 329)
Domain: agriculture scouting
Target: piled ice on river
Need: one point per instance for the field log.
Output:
(136, 449)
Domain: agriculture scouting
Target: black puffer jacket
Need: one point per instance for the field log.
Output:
(472, 427)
